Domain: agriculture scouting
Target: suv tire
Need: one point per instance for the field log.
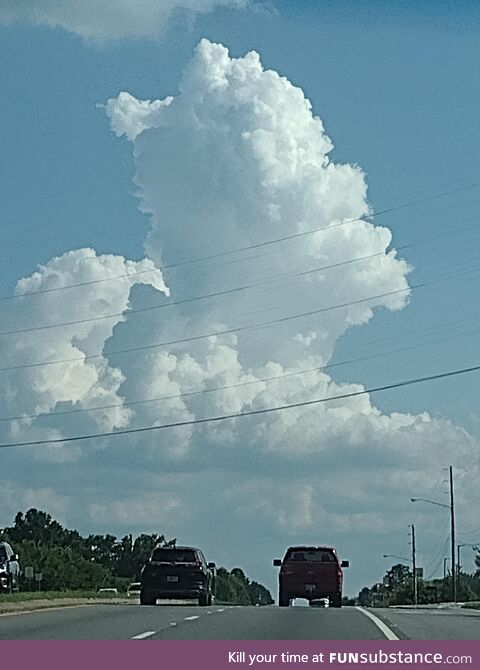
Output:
(146, 600)
(203, 599)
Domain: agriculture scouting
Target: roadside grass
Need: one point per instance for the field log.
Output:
(474, 605)
(46, 595)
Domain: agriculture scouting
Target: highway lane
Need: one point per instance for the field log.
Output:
(190, 622)
(115, 622)
(432, 624)
(275, 623)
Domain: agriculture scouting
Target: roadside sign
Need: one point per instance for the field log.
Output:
(38, 577)
(419, 573)
(29, 572)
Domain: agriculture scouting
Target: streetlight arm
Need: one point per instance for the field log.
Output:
(432, 502)
(402, 558)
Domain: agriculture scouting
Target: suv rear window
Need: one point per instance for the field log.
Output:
(174, 556)
(313, 555)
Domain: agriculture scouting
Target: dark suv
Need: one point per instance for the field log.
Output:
(9, 569)
(312, 573)
(177, 573)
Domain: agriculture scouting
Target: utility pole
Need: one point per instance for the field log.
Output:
(452, 523)
(451, 507)
(414, 566)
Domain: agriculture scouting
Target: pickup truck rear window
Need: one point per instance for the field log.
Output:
(173, 556)
(311, 555)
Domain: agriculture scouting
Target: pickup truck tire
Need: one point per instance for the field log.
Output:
(336, 600)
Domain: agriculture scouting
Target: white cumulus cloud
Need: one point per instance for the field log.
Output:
(99, 285)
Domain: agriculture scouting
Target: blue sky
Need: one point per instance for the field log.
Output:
(397, 92)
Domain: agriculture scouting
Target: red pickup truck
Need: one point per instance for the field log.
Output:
(312, 573)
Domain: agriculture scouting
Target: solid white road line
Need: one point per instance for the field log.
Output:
(191, 618)
(389, 634)
(142, 636)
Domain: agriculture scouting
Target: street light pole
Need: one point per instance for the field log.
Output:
(452, 524)
(451, 507)
(414, 566)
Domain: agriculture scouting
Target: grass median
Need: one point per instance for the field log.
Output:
(27, 601)
(474, 605)
(43, 595)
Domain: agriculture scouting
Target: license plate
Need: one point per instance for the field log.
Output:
(309, 587)
(172, 579)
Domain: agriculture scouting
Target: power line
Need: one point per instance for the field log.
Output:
(435, 187)
(231, 291)
(250, 246)
(415, 242)
(203, 336)
(184, 301)
(438, 547)
(53, 289)
(469, 532)
(239, 415)
(260, 380)
(441, 553)
(238, 329)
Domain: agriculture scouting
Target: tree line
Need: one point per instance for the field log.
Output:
(397, 588)
(70, 561)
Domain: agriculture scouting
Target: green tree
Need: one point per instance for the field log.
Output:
(235, 587)
(365, 597)
(70, 561)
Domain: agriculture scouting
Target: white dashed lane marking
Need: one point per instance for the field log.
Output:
(191, 618)
(142, 636)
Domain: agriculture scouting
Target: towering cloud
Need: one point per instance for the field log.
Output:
(239, 157)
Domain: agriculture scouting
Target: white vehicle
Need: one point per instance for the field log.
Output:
(107, 593)
(133, 590)
(321, 602)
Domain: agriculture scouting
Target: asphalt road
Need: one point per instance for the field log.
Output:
(432, 624)
(186, 622)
